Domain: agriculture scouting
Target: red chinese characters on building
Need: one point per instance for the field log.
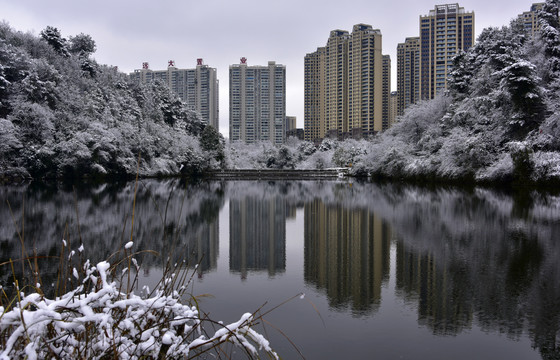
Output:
(171, 63)
(244, 60)
(145, 66)
(199, 61)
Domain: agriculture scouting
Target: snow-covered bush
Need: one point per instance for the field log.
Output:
(240, 155)
(296, 154)
(319, 160)
(546, 165)
(101, 316)
(500, 170)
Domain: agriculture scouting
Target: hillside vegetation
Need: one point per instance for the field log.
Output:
(64, 115)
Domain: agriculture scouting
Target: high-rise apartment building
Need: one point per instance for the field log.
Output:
(393, 113)
(198, 87)
(386, 122)
(347, 86)
(336, 81)
(447, 30)
(315, 95)
(530, 18)
(257, 102)
(291, 123)
(408, 73)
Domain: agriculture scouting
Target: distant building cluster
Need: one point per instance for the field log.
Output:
(425, 62)
(347, 81)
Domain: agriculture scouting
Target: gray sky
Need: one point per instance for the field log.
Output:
(128, 33)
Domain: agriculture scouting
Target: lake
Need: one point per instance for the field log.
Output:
(376, 271)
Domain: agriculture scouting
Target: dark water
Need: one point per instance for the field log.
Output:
(388, 271)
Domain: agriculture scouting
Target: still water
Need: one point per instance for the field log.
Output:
(387, 271)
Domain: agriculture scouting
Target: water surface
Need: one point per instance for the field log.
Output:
(387, 271)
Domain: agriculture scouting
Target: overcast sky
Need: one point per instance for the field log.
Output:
(129, 33)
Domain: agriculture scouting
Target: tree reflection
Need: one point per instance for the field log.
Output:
(178, 221)
(467, 257)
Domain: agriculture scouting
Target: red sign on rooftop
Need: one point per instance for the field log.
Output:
(199, 61)
(244, 60)
(145, 65)
(171, 63)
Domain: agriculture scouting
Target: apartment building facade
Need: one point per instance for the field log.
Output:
(445, 31)
(408, 74)
(257, 102)
(198, 87)
(393, 108)
(315, 124)
(386, 93)
(347, 86)
(530, 19)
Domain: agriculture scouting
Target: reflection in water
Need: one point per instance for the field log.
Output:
(462, 258)
(347, 254)
(257, 235)
(177, 221)
(476, 257)
(442, 297)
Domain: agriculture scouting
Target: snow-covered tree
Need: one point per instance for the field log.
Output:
(519, 80)
(82, 45)
(212, 142)
(54, 38)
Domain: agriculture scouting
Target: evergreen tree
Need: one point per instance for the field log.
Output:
(82, 45)
(212, 142)
(522, 84)
(211, 139)
(53, 37)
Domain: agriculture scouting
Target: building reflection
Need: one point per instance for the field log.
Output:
(445, 304)
(202, 246)
(346, 254)
(257, 235)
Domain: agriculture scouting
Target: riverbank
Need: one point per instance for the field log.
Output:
(426, 180)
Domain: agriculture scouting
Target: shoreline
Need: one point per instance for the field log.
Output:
(549, 185)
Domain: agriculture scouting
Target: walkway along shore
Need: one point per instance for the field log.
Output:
(275, 174)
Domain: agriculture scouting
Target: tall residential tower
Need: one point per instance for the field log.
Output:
(315, 95)
(347, 86)
(447, 30)
(257, 102)
(197, 87)
(408, 73)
